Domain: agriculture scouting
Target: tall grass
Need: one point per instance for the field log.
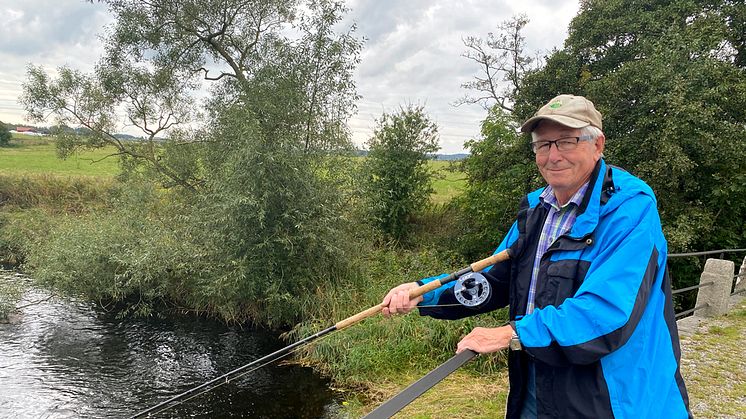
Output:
(10, 292)
(54, 192)
(379, 347)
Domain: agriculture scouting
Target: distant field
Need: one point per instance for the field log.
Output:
(448, 183)
(33, 155)
(29, 154)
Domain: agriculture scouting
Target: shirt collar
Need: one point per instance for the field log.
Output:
(548, 199)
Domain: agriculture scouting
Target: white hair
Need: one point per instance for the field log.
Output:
(586, 133)
(590, 132)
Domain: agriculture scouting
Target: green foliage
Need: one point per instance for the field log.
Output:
(398, 179)
(19, 230)
(110, 256)
(270, 222)
(499, 171)
(55, 193)
(11, 290)
(5, 135)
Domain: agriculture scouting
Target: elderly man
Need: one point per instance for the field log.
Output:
(592, 331)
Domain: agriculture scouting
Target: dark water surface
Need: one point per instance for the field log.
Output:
(67, 359)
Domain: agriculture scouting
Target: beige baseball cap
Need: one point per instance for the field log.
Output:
(568, 110)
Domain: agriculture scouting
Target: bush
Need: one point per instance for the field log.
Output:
(19, 230)
(110, 256)
(5, 135)
(398, 180)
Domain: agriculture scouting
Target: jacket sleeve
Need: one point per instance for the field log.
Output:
(497, 275)
(607, 307)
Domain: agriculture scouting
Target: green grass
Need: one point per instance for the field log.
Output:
(33, 155)
(448, 183)
(714, 367)
(462, 394)
(11, 290)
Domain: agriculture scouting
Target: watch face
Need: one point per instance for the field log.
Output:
(515, 345)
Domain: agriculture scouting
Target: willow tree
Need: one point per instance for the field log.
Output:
(239, 104)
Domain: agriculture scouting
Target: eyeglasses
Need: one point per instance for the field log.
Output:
(563, 144)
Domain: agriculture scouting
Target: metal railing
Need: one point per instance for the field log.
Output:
(721, 253)
(691, 310)
(693, 287)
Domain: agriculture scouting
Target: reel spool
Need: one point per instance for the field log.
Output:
(472, 289)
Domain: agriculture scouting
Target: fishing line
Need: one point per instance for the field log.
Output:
(231, 379)
(469, 294)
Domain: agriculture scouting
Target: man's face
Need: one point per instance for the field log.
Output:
(566, 171)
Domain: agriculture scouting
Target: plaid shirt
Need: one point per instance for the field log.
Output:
(558, 222)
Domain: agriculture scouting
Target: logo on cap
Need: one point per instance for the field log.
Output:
(556, 104)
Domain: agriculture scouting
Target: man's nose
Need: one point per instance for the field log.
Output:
(554, 153)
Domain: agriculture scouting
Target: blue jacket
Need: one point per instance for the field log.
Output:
(603, 337)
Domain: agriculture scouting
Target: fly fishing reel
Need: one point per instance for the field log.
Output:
(472, 289)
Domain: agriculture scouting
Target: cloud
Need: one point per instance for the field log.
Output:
(34, 27)
(47, 33)
(413, 55)
(412, 52)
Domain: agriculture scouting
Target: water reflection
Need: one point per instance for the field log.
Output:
(63, 358)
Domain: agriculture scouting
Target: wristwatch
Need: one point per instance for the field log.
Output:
(515, 342)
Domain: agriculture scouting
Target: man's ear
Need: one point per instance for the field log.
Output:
(600, 144)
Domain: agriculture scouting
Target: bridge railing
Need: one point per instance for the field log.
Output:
(718, 282)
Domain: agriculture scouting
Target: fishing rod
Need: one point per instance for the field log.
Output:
(469, 290)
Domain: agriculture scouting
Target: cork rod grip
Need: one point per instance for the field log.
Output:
(497, 257)
(414, 293)
(359, 316)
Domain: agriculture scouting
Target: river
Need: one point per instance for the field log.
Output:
(61, 358)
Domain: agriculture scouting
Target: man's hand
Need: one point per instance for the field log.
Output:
(397, 300)
(485, 340)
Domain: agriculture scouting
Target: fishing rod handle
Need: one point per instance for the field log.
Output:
(424, 289)
(414, 293)
(496, 258)
(359, 316)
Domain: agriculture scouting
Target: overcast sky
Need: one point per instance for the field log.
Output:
(412, 52)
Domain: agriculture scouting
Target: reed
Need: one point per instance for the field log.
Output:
(54, 192)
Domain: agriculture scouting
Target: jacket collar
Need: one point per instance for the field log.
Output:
(599, 188)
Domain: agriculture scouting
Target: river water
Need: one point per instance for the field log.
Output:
(61, 358)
